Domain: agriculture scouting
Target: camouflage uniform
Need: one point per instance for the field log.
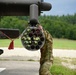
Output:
(46, 59)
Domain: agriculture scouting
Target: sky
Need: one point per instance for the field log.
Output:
(61, 7)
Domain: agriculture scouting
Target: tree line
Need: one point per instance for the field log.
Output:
(59, 26)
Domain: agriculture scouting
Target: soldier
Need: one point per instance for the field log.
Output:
(46, 59)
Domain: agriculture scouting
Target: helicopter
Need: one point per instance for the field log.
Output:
(32, 37)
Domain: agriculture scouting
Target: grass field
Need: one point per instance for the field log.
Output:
(64, 44)
(59, 69)
(6, 42)
(57, 43)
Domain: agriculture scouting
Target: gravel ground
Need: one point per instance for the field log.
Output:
(22, 54)
(36, 54)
